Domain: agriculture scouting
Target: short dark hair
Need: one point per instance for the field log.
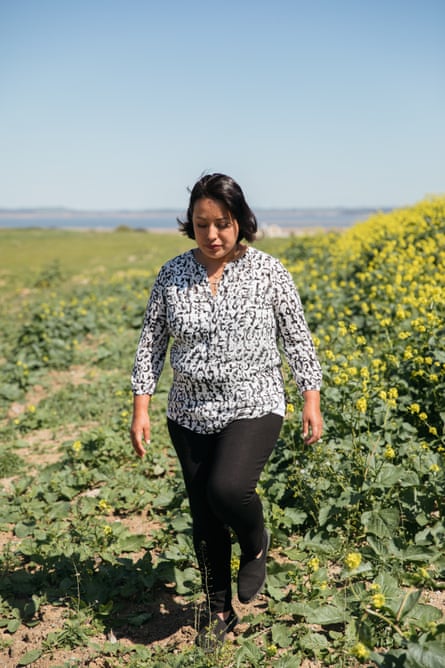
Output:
(226, 190)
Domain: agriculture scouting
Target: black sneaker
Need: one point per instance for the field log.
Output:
(252, 573)
(213, 633)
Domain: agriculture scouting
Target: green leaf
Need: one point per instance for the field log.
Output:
(23, 530)
(297, 516)
(382, 523)
(428, 655)
(132, 543)
(186, 580)
(14, 625)
(388, 475)
(319, 614)
(30, 657)
(10, 392)
(313, 642)
(408, 602)
(276, 593)
(281, 635)
(423, 615)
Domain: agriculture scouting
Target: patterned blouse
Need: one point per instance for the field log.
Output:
(224, 354)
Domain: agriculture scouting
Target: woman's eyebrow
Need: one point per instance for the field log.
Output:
(217, 220)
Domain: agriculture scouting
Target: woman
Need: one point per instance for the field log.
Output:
(225, 306)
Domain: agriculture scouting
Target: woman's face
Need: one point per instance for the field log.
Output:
(216, 231)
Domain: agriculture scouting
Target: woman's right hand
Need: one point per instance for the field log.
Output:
(140, 424)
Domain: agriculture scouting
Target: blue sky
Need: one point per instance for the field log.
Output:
(124, 103)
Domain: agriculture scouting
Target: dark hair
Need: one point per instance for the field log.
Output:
(224, 189)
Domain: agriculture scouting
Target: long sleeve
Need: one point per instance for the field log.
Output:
(294, 333)
(153, 343)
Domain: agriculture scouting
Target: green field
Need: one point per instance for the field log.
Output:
(96, 564)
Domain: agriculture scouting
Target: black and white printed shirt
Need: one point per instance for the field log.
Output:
(224, 353)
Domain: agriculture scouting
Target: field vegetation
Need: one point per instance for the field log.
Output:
(96, 558)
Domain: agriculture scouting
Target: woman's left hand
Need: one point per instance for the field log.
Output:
(312, 420)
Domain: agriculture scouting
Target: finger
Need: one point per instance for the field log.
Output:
(139, 449)
(314, 436)
(136, 441)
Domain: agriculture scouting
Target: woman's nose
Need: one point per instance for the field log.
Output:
(212, 232)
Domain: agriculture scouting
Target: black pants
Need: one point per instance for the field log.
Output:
(221, 472)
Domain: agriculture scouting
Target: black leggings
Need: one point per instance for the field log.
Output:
(221, 472)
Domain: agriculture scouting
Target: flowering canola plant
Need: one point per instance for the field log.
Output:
(371, 495)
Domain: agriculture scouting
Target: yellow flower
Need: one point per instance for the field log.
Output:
(423, 416)
(271, 650)
(77, 446)
(361, 405)
(104, 506)
(107, 530)
(434, 468)
(374, 586)
(423, 573)
(360, 651)
(414, 408)
(31, 408)
(378, 600)
(353, 560)
(393, 393)
(389, 452)
(433, 431)
(290, 408)
(314, 564)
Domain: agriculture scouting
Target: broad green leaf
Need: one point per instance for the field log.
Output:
(427, 655)
(23, 530)
(297, 516)
(281, 635)
(382, 523)
(313, 642)
(276, 593)
(423, 615)
(30, 657)
(388, 475)
(163, 499)
(319, 614)
(407, 604)
(13, 625)
(132, 543)
(9, 392)
(186, 580)
(408, 478)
